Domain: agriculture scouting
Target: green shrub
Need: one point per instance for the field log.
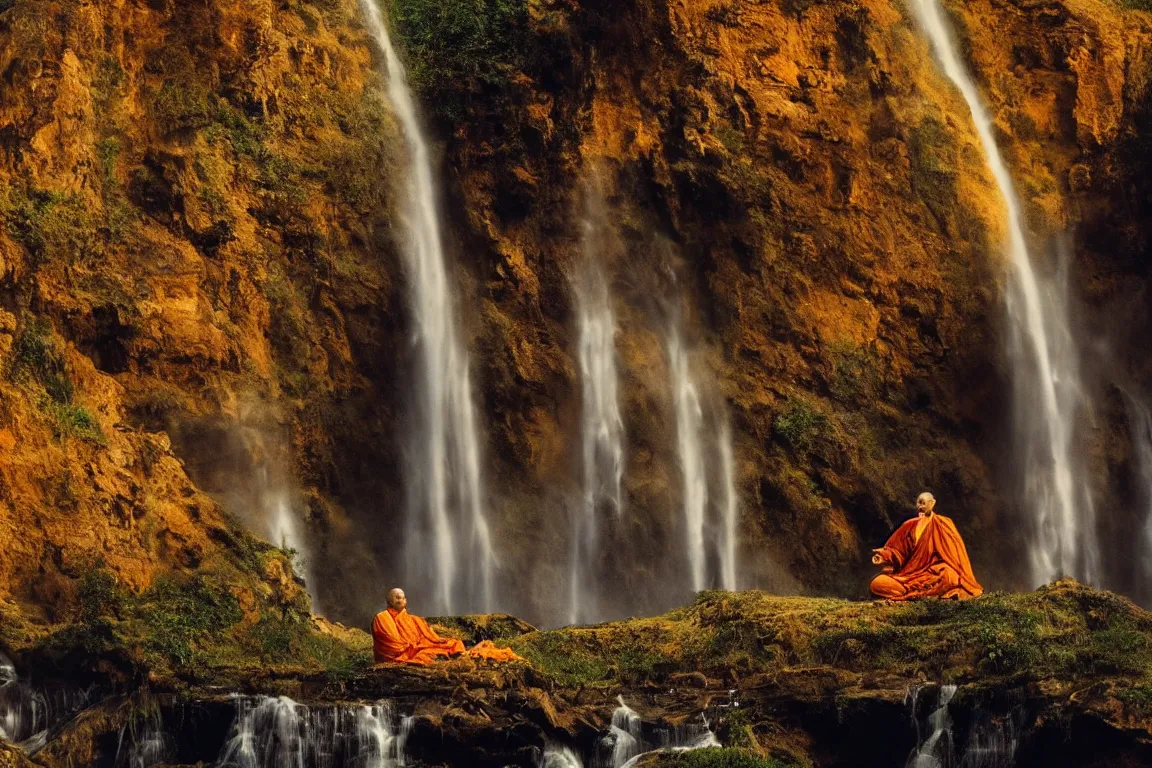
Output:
(456, 49)
(799, 424)
(52, 226)
(718, 757)
(180, 614)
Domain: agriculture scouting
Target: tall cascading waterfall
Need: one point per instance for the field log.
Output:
(1045, 365)
(601, 433)
(702, 537)
(690, 444)
(448, 544)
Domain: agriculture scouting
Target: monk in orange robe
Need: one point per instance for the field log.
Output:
(925, 557)
(400, 637)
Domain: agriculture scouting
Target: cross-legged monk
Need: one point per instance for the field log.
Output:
(398, 636)
(924, 558)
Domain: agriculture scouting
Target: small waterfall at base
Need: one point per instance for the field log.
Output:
(706, 538)
(1048, 395)
(627, 740)
(26, 713)
(448, 539)
(934, 750)
(556, 756)
(271, 732)
(601, 433)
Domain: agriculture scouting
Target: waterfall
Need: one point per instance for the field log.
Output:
(933, 751)
(448, 543)
(276, 732)
(689, 426)
(1045, 367)
(629, 745)
(144, 744)
(27, 713)
(281, 524)
(730, 510)
(706, 537)
(601, 434)
(556, 756)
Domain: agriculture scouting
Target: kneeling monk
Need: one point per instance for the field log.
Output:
(924, 558)
(398, 636)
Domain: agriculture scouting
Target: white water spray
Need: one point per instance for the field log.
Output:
(276, 732)
(601, 435)
(730, 510)
(630, 745)
(1045, 365)
(448, 544)
(689, 429)
(934, 750)
(707, 537)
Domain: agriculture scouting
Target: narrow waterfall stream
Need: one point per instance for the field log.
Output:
(710, 504)
(1048, 394)
(601, 432)
(694, 476)
(448, 544)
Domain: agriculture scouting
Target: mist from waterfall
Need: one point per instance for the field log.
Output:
(1048, 394)
(1140, 428)
(707, 538)
(282, 528)
(448, 545)
(601, 430)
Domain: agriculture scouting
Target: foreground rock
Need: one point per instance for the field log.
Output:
(1055, 677)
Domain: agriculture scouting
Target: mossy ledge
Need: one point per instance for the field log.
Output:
(783, 680)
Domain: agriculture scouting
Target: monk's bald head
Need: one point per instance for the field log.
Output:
(396, 599)
(925, 503)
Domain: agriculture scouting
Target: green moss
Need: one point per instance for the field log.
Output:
(52, 226)
(799, 424)
(718, 757)
(554, 653)
(456, 50)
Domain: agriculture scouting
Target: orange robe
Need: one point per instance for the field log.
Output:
(398, 636)
(935, 565)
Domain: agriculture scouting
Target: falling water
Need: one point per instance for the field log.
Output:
(283, 530)
(270, 732)
(448, 544)
(601, 433)
(689, 429)
(708, 538)
(730, 510)
(1044, 365)
(629, 744)
(556, 756)
(1140, 427)
(26, 713)
(933, 751)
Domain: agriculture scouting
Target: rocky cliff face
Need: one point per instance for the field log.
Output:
(204, 313)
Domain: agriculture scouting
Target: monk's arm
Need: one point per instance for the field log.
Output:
(895, 551)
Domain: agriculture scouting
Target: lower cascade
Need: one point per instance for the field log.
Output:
(277, 731)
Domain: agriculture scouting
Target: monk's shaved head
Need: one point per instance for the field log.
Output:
(396, 598)
(925, 502)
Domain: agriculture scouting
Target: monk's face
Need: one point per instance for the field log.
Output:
(397, 600)
(925, 504)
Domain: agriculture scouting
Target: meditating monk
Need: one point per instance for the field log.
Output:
(924, 558)
(398, 636)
